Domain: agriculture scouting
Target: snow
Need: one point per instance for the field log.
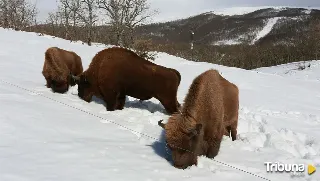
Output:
(266, 29)
(311, 71)
(307, 11)
(227, 42)
(232, 11)
(241, 10)
(48, 136)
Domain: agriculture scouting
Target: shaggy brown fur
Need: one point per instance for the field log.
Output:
(199, 128)
(231, 108)
(117, 72)
(58, 65)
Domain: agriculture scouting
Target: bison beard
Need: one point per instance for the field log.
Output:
(115, 73)
(199, 127)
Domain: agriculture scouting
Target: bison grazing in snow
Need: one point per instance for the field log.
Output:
(117, 72)
(199, 127)
(58, 65)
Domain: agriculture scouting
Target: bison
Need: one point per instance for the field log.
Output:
(115, 73)
(58, 65)
(199, 127)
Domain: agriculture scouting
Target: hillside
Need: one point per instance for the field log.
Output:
(274, 24)
(48, 136)
(246, 38)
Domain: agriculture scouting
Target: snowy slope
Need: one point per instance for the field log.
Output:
(249, 9)
(294, 70)
(242, 10)
(231, 11)
(266, 29)
(47, 136)
(227, 42)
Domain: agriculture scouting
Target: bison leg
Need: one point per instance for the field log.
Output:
(170, 105)
(213, 148)
(121, 102)
(227, 131)
(48, 83)
(111, 100)
(234, 131)
(110, 97)
(214, 144)
(111, 104)
(203, 149)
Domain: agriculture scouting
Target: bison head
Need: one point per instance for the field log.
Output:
(182, 142)
(83, 86)
(59, 86)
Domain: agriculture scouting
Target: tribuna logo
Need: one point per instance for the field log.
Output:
(283, 167)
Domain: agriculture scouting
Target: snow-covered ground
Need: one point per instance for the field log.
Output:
(309, 70)
(48, 137)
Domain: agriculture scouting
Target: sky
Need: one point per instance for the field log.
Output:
(175, 9)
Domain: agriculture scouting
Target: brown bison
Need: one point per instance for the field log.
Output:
(199, 127)
(115, 73)
(58, 65)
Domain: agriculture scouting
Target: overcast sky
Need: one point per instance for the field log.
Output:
(173, 9)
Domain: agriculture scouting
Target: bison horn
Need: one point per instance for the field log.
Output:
(75, 78)
(162, 125)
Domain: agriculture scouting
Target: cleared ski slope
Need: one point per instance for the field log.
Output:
(48, 136)
(266, 29)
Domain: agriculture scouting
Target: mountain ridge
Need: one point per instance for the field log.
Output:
(211, 28)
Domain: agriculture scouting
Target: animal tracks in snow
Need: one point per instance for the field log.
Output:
(256, 128)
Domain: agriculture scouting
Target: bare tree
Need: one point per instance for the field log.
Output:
(17, 14)
(4, 14)
(89, 16)
(125, 16)
(85, 11)
(69, 11)
(75, 7)
(54, 21)
(64, 11)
